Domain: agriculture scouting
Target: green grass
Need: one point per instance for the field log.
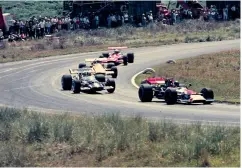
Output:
(36, 139)
(26, 9)
(95, 40)
(219, 71)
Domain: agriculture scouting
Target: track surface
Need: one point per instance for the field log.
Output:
(36, 84)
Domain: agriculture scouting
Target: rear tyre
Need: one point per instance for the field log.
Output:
(130, 57)
(105, 55)
(207, 93)
(110, 65)
(111, 82)
(76, 86)
(170, 96)
(115, 72)
(145, 93)
(66, 82)
(82, 65)
(125, 60)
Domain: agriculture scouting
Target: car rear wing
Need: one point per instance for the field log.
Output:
(118, 48)
(78, 71)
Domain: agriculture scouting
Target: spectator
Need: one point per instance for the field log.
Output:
(113, 21)
(173, 17)
(97, 21)
(126, 17)
(42, 28)
(48, 24)
(225, 13)
(109, 21)
(233, 12)
(119, 20)
(122, 20)
(143, 20)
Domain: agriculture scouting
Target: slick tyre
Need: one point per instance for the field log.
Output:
(145, 93)
(207, 93)
(125, 60)
(66, 82)
(111, 82)
(170, 96)
(115, 72)
(110, 65)
(130, 57)
(82, 65)
(76, 86)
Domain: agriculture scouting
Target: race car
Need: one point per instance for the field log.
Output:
(108, 69)
(117, 57)
(172, 91)
(85, 79)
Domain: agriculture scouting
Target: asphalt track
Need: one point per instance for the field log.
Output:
(35, 84)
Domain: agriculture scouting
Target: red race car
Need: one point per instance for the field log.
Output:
(116, 57)
(171, 91)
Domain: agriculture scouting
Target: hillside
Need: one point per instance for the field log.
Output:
(26, 9)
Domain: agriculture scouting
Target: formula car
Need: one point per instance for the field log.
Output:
(116, 57)
(98, 66)
(85, 79)
(171, 91)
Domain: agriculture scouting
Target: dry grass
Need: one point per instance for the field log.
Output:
(94, 40)
(35, 139)
(219, 71)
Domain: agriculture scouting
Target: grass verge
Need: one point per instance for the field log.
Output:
(36, 139)
(95, 40)
(219, 71)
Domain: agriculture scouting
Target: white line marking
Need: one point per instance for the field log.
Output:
(133, 79)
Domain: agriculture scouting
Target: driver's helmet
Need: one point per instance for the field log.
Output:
(176, 84)
(87, 73)
(116, 51)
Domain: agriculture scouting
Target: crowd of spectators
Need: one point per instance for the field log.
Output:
(36, 28)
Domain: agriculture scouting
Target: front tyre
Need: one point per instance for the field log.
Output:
(111, 82)
(125, 60)
(207, 93)
(130, 57)
(66, 82)
(76, 86)
(170, 96)
(115, 72)
(145, 93)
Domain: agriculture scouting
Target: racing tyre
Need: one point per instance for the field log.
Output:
(145, 93)
(115, 70)
(81, 65)
(110, 65)
(170, 96)
(66, 82)
(130, 57)
(100, 77)
(207, 93)
(105, 55)
(101, 56)
(125, 60)
(111, 82)
(76, 86)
